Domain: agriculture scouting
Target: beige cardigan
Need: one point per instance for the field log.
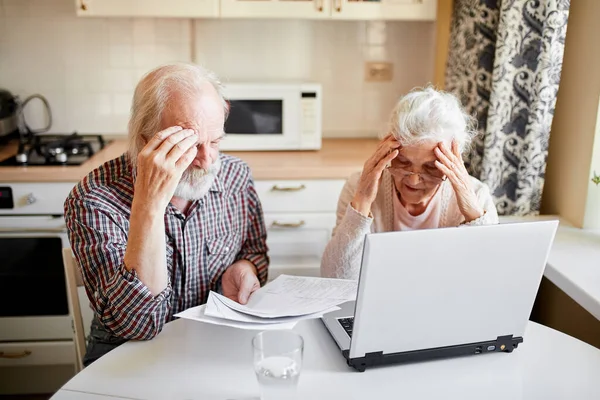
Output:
(342, 256)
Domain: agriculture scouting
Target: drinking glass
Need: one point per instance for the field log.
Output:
(277, 363)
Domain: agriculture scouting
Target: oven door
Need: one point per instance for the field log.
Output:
(263, 117)
(33, 294)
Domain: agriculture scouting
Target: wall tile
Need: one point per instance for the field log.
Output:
(327, 52)
(88, 67)
(121, 103)
(143, 31)
(143, 55)
(120, 31)
(120, 56)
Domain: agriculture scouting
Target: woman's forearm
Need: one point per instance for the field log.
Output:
(342, 256)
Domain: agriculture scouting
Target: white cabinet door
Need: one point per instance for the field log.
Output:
(417, 10)
(37, 353)
(299, 216)
(147, 8)
(304, 9)
(295, 196)
(297, 241)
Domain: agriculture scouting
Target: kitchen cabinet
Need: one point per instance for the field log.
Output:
(422, 10)
(300, 9)
(148, 8)
(300, 216)
(418, 10)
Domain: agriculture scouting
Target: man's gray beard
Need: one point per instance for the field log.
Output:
(196, 182)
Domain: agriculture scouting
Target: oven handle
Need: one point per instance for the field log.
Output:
(34, 230)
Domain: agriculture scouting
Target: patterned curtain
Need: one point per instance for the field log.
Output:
(504, 65)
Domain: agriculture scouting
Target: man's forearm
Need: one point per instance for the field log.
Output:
(146, 252)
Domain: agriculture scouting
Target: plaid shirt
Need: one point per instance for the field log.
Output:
(225, 226)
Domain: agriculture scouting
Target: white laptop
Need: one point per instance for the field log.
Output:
(445, 292)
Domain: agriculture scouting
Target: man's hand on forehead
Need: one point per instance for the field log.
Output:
(205, 133)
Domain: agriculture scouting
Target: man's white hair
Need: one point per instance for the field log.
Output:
(428, 114)
(153, 94)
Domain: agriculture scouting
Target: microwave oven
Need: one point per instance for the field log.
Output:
(273, 116)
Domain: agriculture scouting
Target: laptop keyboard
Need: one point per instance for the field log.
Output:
(347, 324)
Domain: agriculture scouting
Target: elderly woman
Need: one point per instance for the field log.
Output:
(416, 179)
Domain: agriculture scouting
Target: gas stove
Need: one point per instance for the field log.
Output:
(45, 150)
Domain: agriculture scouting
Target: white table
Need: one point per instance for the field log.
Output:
(192, 360)
(574, 266)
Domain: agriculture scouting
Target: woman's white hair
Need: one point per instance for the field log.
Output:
(428, 114)
(153, 94)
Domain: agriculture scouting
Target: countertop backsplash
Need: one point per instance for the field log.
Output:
(88, 67)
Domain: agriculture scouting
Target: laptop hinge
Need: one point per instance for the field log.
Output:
(373, 356)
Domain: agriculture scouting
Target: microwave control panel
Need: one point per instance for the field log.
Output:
(311, 130)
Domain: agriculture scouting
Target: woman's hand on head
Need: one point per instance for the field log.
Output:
(450, 162)
(366, 191)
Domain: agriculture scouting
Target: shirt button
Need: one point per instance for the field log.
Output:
(226, 248)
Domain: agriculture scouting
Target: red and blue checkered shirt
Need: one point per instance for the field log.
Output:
(225, 226)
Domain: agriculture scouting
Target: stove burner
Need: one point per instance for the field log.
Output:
(71, 149)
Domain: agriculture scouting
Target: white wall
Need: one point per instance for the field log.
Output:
(591, 219)
(88, 67)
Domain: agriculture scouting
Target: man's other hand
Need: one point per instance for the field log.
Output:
(240, 281)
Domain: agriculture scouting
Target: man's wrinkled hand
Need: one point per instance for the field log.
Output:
(239, 281)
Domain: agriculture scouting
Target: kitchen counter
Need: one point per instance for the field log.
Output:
(337, 159)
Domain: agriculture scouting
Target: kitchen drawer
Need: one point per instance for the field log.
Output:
(37, 198)
(297, 240)
(299, 195)
(37, 353)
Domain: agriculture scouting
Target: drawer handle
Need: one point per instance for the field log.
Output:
(277, 188)
(24, 354)
(278, 224)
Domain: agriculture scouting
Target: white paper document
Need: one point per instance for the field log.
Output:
(198, 314)
(278, 305)
(289, 296)
(215, 307)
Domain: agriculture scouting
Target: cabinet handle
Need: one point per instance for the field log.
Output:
(338, 7)
(83, 6)
(277, 188)
(319, 4)
(278, 224)
(25, 353)
(34, 230)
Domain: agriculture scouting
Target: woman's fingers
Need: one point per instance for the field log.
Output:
(386, 146)
(446, 171)
(447, 152)
(385, 161)
(444, 159)
(455, 150)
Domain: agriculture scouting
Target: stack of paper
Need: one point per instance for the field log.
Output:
(278, 305)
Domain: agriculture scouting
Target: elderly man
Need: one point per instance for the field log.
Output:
(156, 229)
